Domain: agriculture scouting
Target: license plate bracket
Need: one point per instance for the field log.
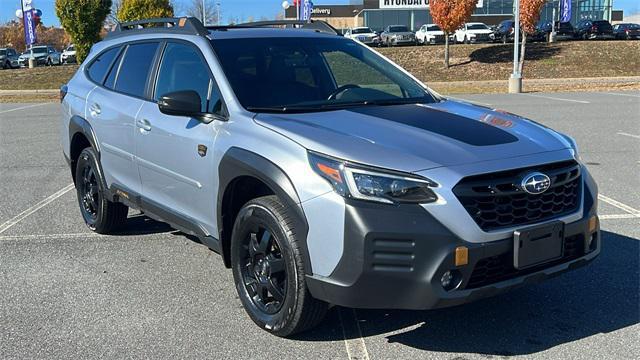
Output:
(538, 244)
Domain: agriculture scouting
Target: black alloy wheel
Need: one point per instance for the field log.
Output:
(99, 213)
(88, 193)
(268, 268)
(263, 270)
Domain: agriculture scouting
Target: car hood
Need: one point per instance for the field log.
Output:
(416, 137)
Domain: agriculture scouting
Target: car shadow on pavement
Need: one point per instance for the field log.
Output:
(139, 224)
(600, 298)
(504, 53)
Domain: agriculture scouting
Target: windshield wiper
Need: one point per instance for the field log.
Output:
(334, 106)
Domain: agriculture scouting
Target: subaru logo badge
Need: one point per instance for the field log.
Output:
(535, 183)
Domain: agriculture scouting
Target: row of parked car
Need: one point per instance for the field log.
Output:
(477, 32)
(42, 54)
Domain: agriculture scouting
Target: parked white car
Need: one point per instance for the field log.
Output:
(363, 34)
(69, 55)
(430, 34)
(475, 32)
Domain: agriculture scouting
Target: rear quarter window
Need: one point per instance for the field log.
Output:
(98, 68)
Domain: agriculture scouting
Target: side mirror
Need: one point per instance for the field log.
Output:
(181, 103)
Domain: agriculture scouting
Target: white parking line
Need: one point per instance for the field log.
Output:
(617, 216)
(619, 205)
(630, 135)
(354, 342)
(558, 99)
(16, 219)
(22, 108)
(635, 96)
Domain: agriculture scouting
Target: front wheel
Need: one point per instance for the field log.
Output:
(268, 269)
(100, 215)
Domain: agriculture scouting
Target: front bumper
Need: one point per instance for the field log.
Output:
(395, 256)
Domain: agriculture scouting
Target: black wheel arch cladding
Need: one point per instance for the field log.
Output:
(80, 127)
(237, 163)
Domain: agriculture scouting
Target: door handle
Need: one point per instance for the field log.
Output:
(143, 124)
(94, 109)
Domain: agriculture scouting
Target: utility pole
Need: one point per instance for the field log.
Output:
(218, 11)
(204, 14)
(515, 81)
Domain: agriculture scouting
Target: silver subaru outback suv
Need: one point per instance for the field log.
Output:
(321, 172)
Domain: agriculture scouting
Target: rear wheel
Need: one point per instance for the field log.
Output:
(268, 269)
(100, 215)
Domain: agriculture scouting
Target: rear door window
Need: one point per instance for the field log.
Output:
(99, 67)
(135, 68)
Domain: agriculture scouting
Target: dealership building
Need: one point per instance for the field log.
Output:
(377, 14)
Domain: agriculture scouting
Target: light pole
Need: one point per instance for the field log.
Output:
(515, 81)
(204, 14)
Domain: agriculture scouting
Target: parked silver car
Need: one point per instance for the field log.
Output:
(43, 54)
(395, 35)
(320, 171)
(9, 58)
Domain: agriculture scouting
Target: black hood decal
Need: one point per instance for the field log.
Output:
(464, 129)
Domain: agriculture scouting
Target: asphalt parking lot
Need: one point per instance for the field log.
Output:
(150, 292)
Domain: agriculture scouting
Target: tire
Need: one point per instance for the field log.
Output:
(268, 269)
(49, 62)
(100, 215)
(504, 39)
(465, 40)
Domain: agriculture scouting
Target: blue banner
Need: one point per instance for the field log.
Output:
(565, 10)
(30, 37)
(307, 8)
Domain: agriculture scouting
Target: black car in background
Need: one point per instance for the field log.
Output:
(626, 31)
(594, 29)
(564, 30)
(504, 31)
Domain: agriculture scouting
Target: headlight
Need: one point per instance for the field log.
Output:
(352, 181)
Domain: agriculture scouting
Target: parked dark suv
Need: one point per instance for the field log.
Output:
(594, 29)
(504, 31)
(627, 31)
(564, 30)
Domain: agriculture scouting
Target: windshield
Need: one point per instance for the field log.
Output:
(312, 74)
(3, 52)
(477, 27)
(361, 31)
(433, 28)
(398, 29)
(70, 48)
(39, 50)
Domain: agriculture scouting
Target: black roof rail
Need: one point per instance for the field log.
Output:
(183, 25)
(316, 25)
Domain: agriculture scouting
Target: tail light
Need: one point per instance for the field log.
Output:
(594, 28)
(63, 92)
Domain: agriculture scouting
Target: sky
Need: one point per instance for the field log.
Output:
(231, 9)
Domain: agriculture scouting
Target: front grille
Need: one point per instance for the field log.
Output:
(482, 37)
(500, 267)
(496, 200)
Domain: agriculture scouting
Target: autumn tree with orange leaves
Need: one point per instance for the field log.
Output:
(450, 15)
(529, 16)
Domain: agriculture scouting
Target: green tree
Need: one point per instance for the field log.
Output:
(82, 20)
(131, 10)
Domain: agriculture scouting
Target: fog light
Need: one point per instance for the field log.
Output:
(450, 279)
(593, 241)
